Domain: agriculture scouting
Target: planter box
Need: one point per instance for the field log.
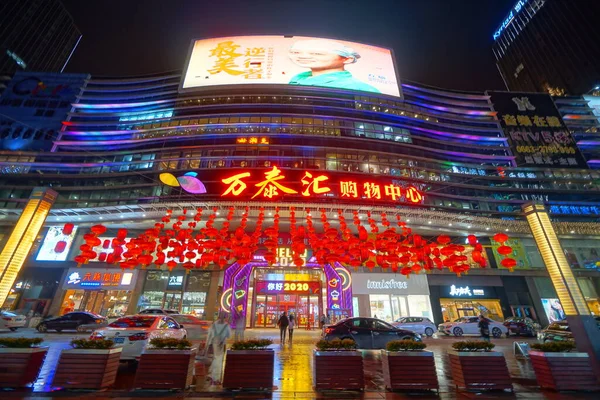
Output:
(564, 371)
(87, 369)
(409, 370)
(165, 369)
(479, 370)
(249, 369)
(20, 367)
(338, 370)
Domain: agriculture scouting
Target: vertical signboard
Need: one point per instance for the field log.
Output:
(536, 132)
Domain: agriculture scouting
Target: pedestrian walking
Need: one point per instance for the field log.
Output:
(322, 321)
(240, 325)
(283, 324)
(484, 328)
(291, 326)
(217, 337)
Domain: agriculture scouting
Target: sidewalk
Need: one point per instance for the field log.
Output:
(293, 377)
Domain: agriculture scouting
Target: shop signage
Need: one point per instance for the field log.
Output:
(274, 287)
(274, 183)
(465, 291)
(99, 278)
(375, 283)
(175, 280)
(535, 130)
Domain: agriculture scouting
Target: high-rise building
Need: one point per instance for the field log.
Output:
(36, 35)
(246, 141)
(550, 46)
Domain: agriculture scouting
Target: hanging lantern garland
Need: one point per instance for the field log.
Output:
(182, 241)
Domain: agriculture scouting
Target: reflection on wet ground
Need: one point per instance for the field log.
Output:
(293, 374)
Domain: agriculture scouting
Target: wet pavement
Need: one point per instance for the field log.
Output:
(293, 374)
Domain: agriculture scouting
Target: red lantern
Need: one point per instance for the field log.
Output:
(504, 250)
(443, 239)
(509, 263)
(60, 246)
(122, 234)
(500, 237)
(472, 239)
(98, 229)
(68, 229)
(102, 257)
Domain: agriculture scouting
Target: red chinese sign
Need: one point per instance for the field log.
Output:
(274, 184)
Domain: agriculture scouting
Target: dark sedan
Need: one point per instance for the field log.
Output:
(72, 321)
(522, 326)
(368, 333)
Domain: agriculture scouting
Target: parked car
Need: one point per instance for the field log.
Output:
(133, 333)
(522, 326)
(470, 326)
(197, 329)
(420, 325)
(368, 333)
(12, 321)
(72, 322)
(556, 332)
(162, 311)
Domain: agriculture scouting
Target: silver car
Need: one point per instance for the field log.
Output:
(420, 325)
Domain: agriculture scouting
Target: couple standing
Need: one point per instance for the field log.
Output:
(286, 323)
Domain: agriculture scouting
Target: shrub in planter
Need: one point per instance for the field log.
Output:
(406, 366)
(336, 344)
(20, 361)
(90, 364)
(475, 366)
(249, 365)
(166, 364)
(556, 367)
(337, 365)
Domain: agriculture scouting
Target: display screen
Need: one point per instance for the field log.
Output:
(296, 61)
(554, 310)
(54, 236)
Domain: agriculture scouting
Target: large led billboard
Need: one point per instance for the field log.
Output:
(291, 60)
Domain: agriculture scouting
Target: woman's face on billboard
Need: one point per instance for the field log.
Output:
(316, 56)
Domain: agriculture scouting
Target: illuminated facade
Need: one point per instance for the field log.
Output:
(132, 149)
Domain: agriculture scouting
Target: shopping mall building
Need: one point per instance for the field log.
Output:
(129, 153)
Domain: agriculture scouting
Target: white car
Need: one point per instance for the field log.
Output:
(421, 325)
(133, 333)
(12, 321)
(197, 329)
(470, 326)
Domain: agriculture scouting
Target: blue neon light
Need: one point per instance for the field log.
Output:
(575, 210)
(515, 10)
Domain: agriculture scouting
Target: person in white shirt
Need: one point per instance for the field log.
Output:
(291, 326)
(217, 337)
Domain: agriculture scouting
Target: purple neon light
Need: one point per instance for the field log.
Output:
(236, 273)
(121, 105)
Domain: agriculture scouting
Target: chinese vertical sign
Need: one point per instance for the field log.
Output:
(535, 130)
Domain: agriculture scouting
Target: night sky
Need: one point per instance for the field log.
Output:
(444, 43)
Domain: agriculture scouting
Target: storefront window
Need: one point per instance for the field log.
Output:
(381, 307)
(419, 306)
(154, 290)
(453, 309)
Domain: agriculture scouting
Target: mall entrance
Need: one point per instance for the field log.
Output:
(453, 309)
(275, 291)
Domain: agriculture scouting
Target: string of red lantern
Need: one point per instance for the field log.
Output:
(396, 248)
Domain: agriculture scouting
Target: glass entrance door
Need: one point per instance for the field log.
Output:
(172, 301)
(268, 309)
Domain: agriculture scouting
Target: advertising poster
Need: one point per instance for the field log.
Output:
(54, 236)
(554, 310)
(518, 253)
(291, 60)
(535, 130)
